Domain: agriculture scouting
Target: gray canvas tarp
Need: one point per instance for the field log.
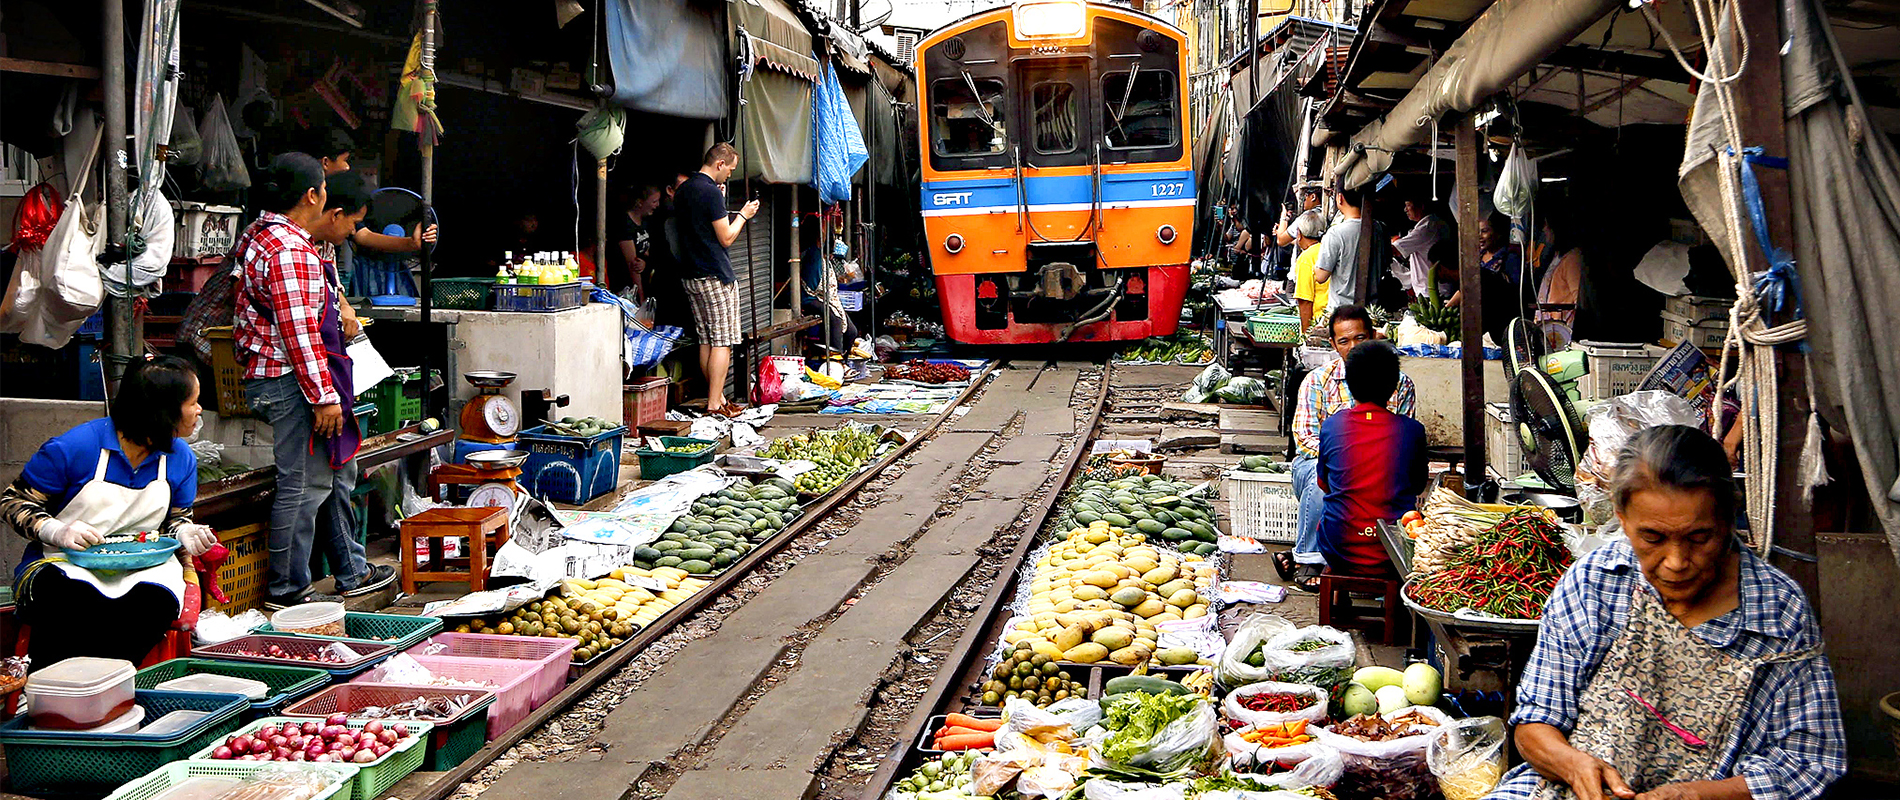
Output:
(775, 127)
(1844, 181)
(668, 57)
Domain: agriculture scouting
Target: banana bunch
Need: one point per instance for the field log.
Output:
(1433, 314)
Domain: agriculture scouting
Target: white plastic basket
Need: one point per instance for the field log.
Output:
(852, 301)
(1502, 447)
(1261, 505)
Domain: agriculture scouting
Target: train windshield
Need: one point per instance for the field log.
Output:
(1140, 112)
(966, 116)
(1054, 116)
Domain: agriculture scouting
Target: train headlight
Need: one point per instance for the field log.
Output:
(953, 243)
(1165, 233)
(1050, 19)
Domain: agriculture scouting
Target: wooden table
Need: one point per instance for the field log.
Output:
(1466, 649)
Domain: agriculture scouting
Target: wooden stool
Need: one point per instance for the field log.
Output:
(1336, 608)
(436, 524)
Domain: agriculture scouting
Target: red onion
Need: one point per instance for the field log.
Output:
(298, 755)
(312, 728)
(279, 740)
(345, 753)
(400, 729)
(387, 737)
(332, 731)
(374, 726)
(325, 758)
(381, 749)
(280, 754)
(241, 743)
(365, 756)
(265, 732)
(337, 719)
(221, 752)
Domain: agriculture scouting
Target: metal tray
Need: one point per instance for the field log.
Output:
(1466, 618)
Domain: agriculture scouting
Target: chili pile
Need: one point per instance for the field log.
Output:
(1278, 702)
(1508, 572)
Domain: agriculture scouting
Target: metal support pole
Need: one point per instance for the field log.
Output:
(426, 61)
(600, 226)
(1471, 303)
(121, 320)
(797, 260)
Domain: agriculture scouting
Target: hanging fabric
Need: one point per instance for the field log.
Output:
(840, 143)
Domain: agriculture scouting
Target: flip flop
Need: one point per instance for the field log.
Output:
(1284, 565)
(1307, 579)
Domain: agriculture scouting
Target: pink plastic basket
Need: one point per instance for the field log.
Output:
(550, 656)
(512, 685)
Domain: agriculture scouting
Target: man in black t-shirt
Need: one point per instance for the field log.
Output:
(706, 229)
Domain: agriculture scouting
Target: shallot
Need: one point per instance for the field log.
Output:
(336, 742)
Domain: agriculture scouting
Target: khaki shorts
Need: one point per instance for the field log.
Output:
(715, 310)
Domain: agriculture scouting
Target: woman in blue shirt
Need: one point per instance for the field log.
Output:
(1676, 665)
(123, 475)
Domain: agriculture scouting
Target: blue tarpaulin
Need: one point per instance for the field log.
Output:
(668, 57)
(837, 139)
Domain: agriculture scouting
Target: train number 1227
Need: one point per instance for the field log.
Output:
(1168, 189)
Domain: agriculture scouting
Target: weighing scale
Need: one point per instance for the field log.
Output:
(491, 473)
(489, 420)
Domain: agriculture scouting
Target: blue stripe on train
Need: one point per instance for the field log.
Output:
(1053, 190)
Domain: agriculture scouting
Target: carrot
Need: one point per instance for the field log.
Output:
(966, 741)
(967, 721)
(954, 730)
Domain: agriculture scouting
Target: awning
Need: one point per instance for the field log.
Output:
(848, 50)
(1503, 43)
(667, 58)
(775, 128)
(777, 37)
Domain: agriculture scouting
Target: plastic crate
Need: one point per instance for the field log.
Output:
(466, 294)
(1272, 326)
(657, 464)
(285, 684)
(1502, 447)
(165, 778)
(246, 572)
(400, 631)
(76, 762)
(512, 686)
(1261, 505)
(570, 469)
(372, 779)
(1615, 369)
(535, 297)
(644, 401)
(452, 741)
(851, 301)
(370, 653)
(398, 401)
(548, 655)
(227, 373)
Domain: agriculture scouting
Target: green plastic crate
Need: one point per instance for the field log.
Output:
(1273, 326)
(43, 763)
(657, 464)
(398, 401)
(285, 684)
(451, 743)
(165, 778)
(467, 294)
(375, 777)
(401, 630)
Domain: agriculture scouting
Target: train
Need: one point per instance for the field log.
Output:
(1058, 183)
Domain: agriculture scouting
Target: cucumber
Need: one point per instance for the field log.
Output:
(695, 554)
(667, 546)
(1142, 683)
(647, 553)
(668, 561)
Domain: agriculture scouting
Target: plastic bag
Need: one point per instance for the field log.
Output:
(1410, 333)
(1232, 669)
(1247, 754)
(1517, 185)
(1468, 757)
(1188, 742)
(1394, 769)
(186, 147)
(1104, 789)
(770, 387)
(1240, 715)
(1244, 390)
(1326, 667)
(1612, 423)
(1322, 766)
(222, 168)
(1193, 395)
(1211, 378)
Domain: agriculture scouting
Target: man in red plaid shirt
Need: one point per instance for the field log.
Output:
(286, 296)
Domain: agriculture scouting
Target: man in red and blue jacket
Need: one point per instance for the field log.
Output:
(1371, 465)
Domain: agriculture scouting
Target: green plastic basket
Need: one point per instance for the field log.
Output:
(171, 775)
(401, 630)
(43, 763)
(398, 401)
(375, 777)
(1273, 327)
(467, 294)
(657, 464)
(285, 684)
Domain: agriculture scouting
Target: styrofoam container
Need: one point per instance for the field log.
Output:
(175, 722)
(124, 723)
(322, 619)
(202, 230)
(81, 693)
(213, 683)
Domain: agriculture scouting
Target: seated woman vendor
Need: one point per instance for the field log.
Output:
(1676, 664)
(1371, 465)
(126, 474)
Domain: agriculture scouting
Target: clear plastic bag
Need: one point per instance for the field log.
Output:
(1468, 757)
(1104, 789)
(1190, 741)
(1394, 769)
(1612, 423)
(222, 169)
(1241, 716)
(1233, 670)
(1211, 378)
(1517, 184)
(1321, 766)
(1326, 667)
(186, 147)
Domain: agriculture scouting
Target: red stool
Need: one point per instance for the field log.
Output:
(1337, 610)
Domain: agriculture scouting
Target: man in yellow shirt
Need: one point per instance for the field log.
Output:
(1312, 295)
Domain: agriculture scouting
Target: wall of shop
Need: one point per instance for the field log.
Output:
(1441, 394)
(575, 353)
(24, 426)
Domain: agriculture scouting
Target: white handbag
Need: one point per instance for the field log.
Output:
(70, 286)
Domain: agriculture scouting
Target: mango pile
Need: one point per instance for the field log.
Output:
(1150, 504)
(1098, 593)
(596, 614)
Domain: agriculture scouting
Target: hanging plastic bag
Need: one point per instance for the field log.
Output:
(1517, 185)
(222, 168)
(769, 388)
(1233, 670)
(1468, 757)
(187, 147)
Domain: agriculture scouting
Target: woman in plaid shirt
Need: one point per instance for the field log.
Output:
(1676, 665)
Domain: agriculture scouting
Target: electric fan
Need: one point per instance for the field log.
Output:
(1548, 427)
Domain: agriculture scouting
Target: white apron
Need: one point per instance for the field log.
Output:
(115, 510)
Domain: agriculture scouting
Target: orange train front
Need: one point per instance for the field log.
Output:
(1058, 192)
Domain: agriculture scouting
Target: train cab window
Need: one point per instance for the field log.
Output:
(966, 124)
(1140, 113)
(1054, 116)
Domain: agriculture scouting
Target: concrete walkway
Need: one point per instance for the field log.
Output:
(755, 708)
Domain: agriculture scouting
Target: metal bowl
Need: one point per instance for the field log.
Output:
(488, 378)
(1566, 508)
(497, 459)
